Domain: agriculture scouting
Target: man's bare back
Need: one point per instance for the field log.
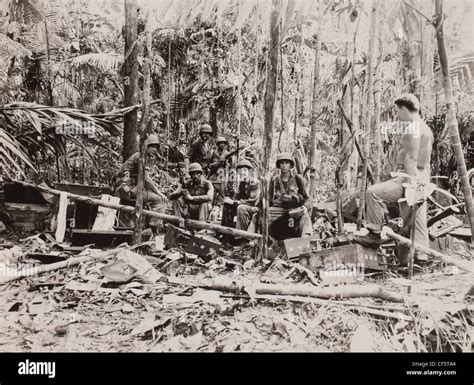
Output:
(417, 143)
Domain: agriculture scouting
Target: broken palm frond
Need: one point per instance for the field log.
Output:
(463, 265)
(34, 270)
(347, 291)
(13, 153)
(43, 128)
(165, 217)
(45, 118)
(102, 61)
(10, 48)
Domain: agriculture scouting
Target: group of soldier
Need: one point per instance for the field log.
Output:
(206, 182)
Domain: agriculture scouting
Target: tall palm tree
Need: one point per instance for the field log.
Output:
(451, 120)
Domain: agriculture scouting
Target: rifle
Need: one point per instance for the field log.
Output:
(182, 182)
(230, 154)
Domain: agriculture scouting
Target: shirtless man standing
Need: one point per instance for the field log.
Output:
(414, 160)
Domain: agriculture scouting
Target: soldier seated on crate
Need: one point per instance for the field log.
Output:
(193, 198)
(126, 181)
(244, 202)
(288, 199)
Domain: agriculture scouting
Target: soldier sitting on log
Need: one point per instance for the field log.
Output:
(290, 203)
(127, 177)
(192, 199)
(245, 200)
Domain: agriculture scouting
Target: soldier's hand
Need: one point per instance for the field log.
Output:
(299, 212)
(228, 201)
(286, 198)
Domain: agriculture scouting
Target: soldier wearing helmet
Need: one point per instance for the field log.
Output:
(199, 151)
(289, 198)
(126, 180)
(220, 159)
(244, 203)
(192, 199)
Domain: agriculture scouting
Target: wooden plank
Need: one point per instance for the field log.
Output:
(61, 218)
(191, 223)
(106, 216)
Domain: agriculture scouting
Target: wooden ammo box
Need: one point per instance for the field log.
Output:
(193, 244)
(27, 207)
(292, 248)
(352, 254)
(29, 217)
(83, 213)
(100, 238)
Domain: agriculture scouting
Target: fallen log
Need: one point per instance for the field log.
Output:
(463, 265)
(31, 271)
(354, 307)
(191, 223)
(347, 291)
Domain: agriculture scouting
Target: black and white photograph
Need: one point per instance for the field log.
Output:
(237, 176)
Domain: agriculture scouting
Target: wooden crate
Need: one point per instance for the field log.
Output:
(29, 217)
(352, 254)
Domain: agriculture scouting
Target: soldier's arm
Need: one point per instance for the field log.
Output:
(254, 195)
(151, 185)
(130, 163)
(206, 197)
(177, 193)
(215, 161)
(303, 196)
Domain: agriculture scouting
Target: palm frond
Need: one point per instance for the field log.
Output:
(49, 117)
(65, 91)
(34, 126)
(10, 48)
(460, 68)
(12, 152)
(102, 61)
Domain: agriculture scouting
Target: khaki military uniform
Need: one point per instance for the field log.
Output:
(126, 187)
(295, 187)
(248, 193)
(200, 153)
(200, 208)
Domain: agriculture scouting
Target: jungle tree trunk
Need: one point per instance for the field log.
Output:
(269, 111)
(144, 124)
(377, 91)
(353, 161)
(130, 78)
(49, 86)
(370, 102)
(298, 72)
(451, 120)
(412, 70)
(427, 51)
(314, 115)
